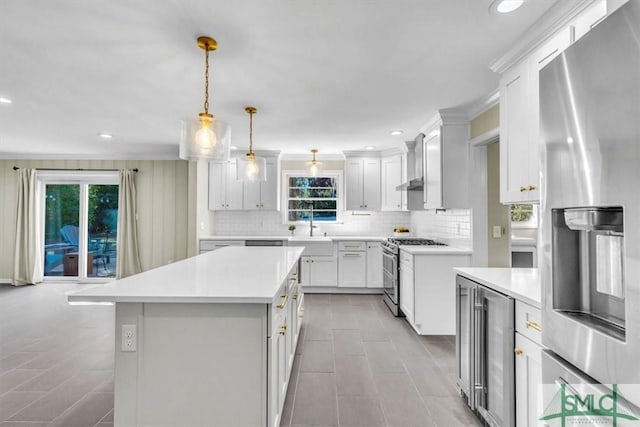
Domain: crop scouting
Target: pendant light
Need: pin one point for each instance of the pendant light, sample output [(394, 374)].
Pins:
[(251, 168), (205, 137), (314, 164)]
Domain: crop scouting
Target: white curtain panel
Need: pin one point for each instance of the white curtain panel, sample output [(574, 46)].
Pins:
[(28, 257), (128, 259)]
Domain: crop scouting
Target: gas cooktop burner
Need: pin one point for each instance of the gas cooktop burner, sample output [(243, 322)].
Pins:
[(416, 241)]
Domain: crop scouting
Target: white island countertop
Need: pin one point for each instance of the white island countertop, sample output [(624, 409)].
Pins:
[(229, 275), (520, 283)]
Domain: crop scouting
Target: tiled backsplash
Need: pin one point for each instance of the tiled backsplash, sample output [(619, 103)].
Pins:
[(259, 223), (452, 226)]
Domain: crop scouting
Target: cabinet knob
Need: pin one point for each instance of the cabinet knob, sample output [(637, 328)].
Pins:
[(518, 351), (365, 206), (532, 187), (283, 329), (523, 189), (257, 206), (397, 206)]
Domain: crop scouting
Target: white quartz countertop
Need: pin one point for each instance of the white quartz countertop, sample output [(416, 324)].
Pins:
[(245, 237), (235, 274), (520, 283), (434, 250)]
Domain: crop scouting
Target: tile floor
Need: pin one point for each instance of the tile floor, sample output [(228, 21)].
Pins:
[(355, 365)]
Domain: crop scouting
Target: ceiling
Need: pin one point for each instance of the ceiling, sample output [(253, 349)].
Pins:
[(334, 74)]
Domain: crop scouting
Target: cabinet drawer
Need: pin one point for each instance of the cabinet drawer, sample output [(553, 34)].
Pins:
[(528, 322), (211, 245), (352, 246)]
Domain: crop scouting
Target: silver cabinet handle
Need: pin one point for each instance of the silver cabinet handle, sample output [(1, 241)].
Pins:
[(352, 255)]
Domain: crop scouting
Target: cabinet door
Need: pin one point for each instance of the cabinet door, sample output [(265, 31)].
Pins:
[(528, 378), (323, 271), (407, 292), (251, 196), (515, 118), (432, 153), (352, 269), (305, 270), (374, 265), (277, 380), (391, 178), (354, 185), (371, 185), (217, 186), (234, 187), (269, 189)]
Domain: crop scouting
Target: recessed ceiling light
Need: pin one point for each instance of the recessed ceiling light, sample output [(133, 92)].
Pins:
[(233, 147), (396, 132), (4, 100), (505, 6), (105, 135), (370, 147)]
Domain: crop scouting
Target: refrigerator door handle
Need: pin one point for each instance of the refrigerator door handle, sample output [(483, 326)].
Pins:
[(479, 382)]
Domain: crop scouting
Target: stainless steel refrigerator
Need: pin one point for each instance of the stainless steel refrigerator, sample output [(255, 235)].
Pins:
[(590, 228)]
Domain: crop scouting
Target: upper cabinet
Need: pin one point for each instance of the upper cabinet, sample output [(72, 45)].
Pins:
[(263, 195), (362, 183), (225, 191), (519, 108), (519, 123), (445, 157), (393, 173)]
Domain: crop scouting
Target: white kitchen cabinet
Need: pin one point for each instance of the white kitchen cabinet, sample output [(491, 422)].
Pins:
[(407, 287), (207, 245), (426, 292), (392, 176), (445, 157), (352, 264), (519, 123), (263, 195), (363, 184), (528, 369), (374, 265), (225, 191), (320, 270)]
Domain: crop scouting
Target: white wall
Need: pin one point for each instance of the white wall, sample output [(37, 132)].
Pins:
[(163, 199)]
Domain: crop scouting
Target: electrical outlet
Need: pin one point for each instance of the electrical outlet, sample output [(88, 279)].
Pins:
[(129, 338)]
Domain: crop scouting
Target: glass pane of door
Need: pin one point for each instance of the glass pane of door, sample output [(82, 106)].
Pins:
[(102, 226), (61, 229)]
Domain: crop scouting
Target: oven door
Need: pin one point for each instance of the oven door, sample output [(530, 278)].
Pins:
[(390, 275)]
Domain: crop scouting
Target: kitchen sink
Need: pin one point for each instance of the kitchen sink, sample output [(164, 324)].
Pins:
[(313, 245), (310, 239)]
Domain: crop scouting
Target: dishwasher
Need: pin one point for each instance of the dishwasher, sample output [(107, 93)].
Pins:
[(258, 242)]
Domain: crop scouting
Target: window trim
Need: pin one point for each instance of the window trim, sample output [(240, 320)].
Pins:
[(286, 174)]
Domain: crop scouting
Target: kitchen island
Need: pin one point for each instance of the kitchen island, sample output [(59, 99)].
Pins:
[(209, 340)]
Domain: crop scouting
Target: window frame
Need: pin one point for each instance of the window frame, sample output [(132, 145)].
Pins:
[(336, 174), (531, 223)]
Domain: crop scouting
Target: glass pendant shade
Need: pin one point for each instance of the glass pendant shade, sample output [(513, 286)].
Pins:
[(313, 168), (205, 138), (252, 169)]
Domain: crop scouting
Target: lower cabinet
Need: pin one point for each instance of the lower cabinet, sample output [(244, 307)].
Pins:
[(320, 270), (528, 378), (374, 265), (352, 264), (426, 296)]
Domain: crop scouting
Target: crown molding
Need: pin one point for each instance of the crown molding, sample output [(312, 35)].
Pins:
[(362, 153), (307, 156), (558, 16)]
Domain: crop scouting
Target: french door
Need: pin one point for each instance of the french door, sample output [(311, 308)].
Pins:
[(80, 218)]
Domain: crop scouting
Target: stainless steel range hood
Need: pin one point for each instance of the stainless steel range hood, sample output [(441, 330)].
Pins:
[(416, 184), (414, 166)]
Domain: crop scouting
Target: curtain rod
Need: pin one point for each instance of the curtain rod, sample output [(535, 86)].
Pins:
[(15, 168)]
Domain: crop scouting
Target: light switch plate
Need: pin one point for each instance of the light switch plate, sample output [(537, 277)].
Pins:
[(497, 231)]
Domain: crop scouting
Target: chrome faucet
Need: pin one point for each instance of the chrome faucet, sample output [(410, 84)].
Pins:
[(311, 226)]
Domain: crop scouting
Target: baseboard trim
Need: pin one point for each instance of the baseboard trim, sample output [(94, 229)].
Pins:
[(6, 281)]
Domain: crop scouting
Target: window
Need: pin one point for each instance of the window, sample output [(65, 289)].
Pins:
[(524, 216), (306, 194)]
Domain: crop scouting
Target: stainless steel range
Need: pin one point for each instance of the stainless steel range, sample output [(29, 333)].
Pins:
[(391, 268)]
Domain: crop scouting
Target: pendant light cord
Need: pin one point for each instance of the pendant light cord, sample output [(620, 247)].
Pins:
[(206, 81)]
